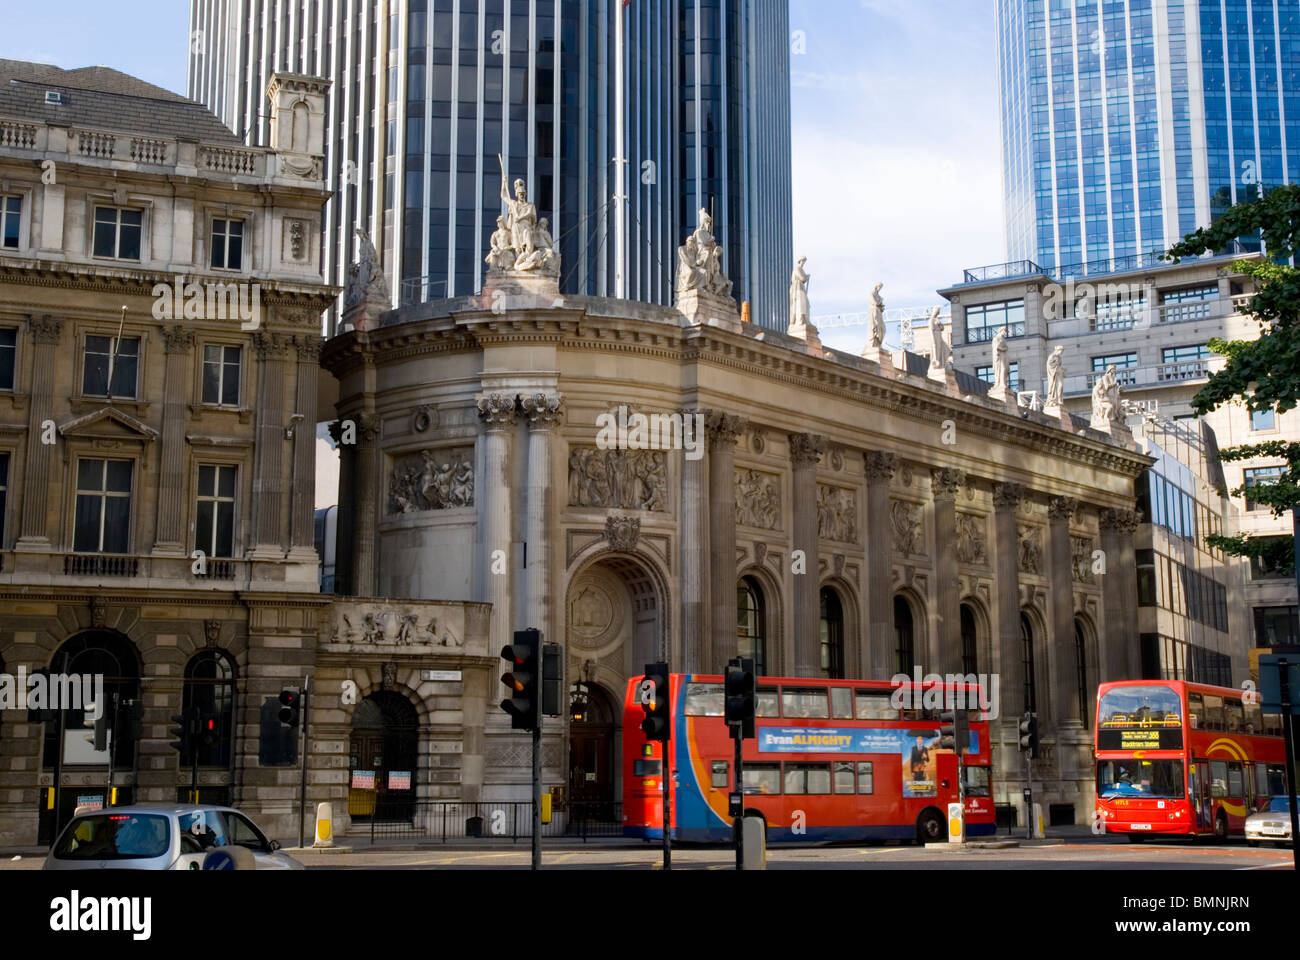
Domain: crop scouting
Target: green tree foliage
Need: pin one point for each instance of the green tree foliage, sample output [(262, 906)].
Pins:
[(1262, 374)]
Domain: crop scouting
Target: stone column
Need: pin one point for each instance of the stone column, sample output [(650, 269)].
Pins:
[(169, 539), (367, 467), (544, 413), (345, 534), (724, 429), (497, 411), (32, 532), (268, 479), (1060, 572), (695, 554), (945, 654), (879, 656), (1006, 559), (302, 527), (806, 450), (1119, 654)]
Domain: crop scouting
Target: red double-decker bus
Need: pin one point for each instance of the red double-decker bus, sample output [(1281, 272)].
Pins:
[(832, 760), (1184, 758)]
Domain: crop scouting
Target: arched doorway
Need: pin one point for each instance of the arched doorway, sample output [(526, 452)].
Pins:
[(592, 757), (1081, 668), (969, 641), (384, 754), (1030, 690), (831, 629), (904, 636)]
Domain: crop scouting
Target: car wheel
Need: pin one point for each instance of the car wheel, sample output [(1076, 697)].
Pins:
[(1253, 843), (930, 827), (1221, 827)]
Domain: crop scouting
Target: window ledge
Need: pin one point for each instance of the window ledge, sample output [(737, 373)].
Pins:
[(197, 411)]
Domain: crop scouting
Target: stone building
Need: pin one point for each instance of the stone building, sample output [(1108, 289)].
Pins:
[(834, 516)]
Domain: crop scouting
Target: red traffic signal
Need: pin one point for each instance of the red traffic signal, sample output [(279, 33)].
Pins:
[(521, 680), (290, 707), (657, 724)]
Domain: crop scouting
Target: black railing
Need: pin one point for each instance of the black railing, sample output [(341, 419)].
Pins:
[(100, 565), (511, 820)]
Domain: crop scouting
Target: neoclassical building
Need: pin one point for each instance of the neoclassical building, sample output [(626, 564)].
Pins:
[(839, 516)]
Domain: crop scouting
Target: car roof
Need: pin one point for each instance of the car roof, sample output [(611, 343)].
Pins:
[(158, 808)]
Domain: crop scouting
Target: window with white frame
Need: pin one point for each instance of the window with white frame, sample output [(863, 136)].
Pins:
[(221, 371), (214, 524), (103, 510), (227, 244), (109, 366), (117, 233)]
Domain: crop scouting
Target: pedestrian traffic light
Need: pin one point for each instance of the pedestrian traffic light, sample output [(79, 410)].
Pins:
[(657, 724), (521, 680), (1029, 733), (290, 707), (740, 689), (954, 730), (100, 723), (209, 731), (130, 721), (183, 732)]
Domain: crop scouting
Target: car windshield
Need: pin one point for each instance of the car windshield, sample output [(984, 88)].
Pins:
[(1140, 778), (114, 836), (1279, 805)]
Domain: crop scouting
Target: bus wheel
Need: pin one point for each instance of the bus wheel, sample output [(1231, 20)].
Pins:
[(930, 827), (1221, 827)]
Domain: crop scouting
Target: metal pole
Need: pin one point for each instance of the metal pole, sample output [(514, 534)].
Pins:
[(668, 818), (112, 745), (537, 794), (738, 824), (1288, 730), (192, 721), (58, 765), (1029, 795), (302, 787)]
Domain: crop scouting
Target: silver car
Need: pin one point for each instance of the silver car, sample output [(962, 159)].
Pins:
[(1270, 825), (160, 837)]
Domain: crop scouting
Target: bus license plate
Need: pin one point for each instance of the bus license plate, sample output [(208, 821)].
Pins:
[(1141, 826)]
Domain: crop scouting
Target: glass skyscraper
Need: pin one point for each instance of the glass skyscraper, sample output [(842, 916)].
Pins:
[(1129, 123), (424, 100)]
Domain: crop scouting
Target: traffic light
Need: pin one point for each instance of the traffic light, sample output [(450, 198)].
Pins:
[(741, 689), (209, 731), (130, 721), (657, 724), (521, 680), (954, 730), (1029, 733), (290, 706), (100, 724), (184, 732)]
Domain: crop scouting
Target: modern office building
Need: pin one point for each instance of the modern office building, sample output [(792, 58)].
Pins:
[(427, 93), (1126, 125)]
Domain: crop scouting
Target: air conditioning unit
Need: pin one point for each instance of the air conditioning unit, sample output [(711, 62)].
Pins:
[(54, 98)]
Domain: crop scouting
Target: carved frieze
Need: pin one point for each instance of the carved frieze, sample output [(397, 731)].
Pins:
[(622, 532), (621, 479), (432, 480), (1081, 549), (1031, 550), (837, 514), (907, 528), (972, 539), (394, 624), (758, 500)]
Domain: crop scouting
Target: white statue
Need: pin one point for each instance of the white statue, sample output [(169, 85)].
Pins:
[(941, 353), (699, 262), (521, 244), (1106, 405), (876, 326), (800, 312), (1001, 365), (501, 255), (365, 280), (1055, 377)]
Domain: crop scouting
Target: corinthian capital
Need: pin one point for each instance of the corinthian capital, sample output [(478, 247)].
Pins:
[(1125, 521), (1007, 496), (542, 410), (724, 428), (806, 448), (497, 411), (308, 346), (45, 328), (1061, 508), (945, 481), (177, 339), (880, 465)]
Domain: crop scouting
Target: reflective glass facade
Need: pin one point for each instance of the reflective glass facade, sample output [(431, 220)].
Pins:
[(422, 104), (1128, 123)]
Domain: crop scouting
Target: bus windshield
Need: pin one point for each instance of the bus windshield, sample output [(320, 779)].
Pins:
[(1161, 779)]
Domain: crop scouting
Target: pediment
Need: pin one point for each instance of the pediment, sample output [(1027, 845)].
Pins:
[(107, 423)]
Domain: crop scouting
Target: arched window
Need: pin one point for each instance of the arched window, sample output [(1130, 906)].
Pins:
[(210, 691), (1081, 665), (969, 641), (1027, 661), (832, 634), (751, 623), (94, 653), (903, 638)]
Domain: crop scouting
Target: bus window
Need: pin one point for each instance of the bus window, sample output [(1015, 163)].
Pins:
[(1276, 779), (1218, 778), (763, 778), (874, 705), (979, 781), (1254, 719), (645, 768), (704, 699), (807, 778), (843, 777), (1195, 709), (720, 775), (1213, 712), (866, 777), (1233, 717), (1261, 780), (767, 704), (1272, 724), (804, 704), (1236, 782), (841, 703)]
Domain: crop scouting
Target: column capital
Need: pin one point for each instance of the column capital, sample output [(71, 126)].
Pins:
[(1007, 496), (1061, 508), (880, 465), (45, 328), (177, 339), (270, 346), (806, 448), (1125, 521), (543, 411), (368, 426), (945, 481), (308, 346), (497, 411), (724, 427)]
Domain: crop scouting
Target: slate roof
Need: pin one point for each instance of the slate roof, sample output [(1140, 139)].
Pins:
[(104, 99)]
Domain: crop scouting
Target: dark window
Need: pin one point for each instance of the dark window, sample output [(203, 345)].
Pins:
[(8, 356), (1013, 375), (210, 691), (108, 836), (751, 635), (903, 639), (103, 514), (1260, 477), (969, 641), (228, 244), (241, 832), (117, 233), (832, 634), (11, 218), (214, 525), (984, 320), (105, 354), (1081, 669), (4, 494), (221, 370), (1027, 662), (1277, 626)]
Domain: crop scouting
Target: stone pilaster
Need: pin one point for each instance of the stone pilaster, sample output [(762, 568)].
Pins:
[(723, 429), (170, 537), (695, 651), (806, 450), (1060, 571), (32, 533), (879, 655), (1119, 655), (345, 535), (498, 413), (1006, 559), (302, 529), (544, 413), (268, 472), (945, 653), (365, 518)]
